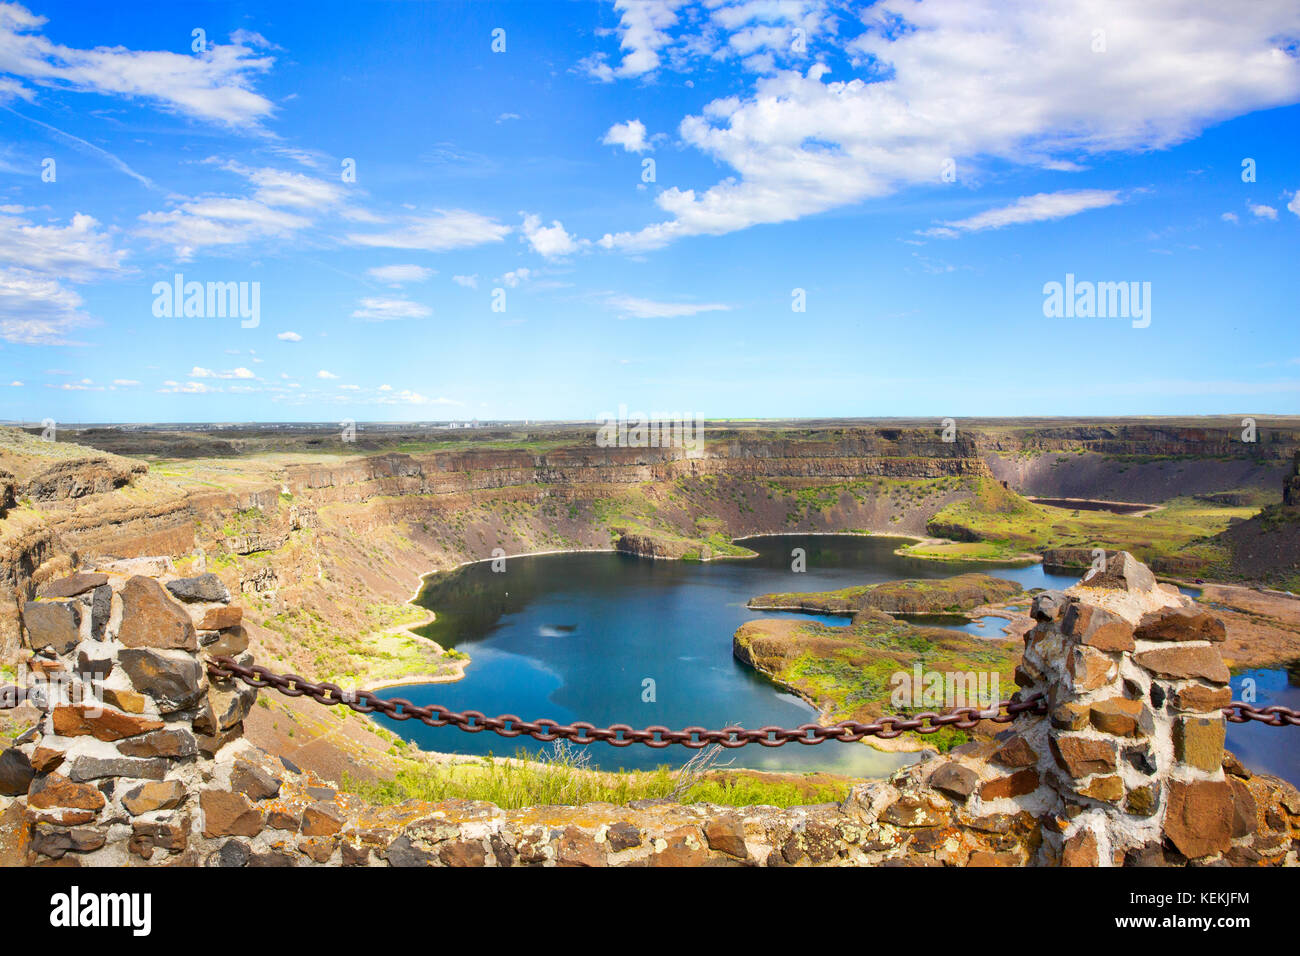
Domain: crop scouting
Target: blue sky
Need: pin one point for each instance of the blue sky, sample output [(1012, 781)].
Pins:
[(919, 169)]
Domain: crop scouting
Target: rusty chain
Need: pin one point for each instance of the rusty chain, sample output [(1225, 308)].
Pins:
[(623, 735), (617, 735)]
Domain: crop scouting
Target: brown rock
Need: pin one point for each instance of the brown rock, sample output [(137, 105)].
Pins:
[(219, 618), (52, 625), (1198, 742), (1197, 698), (54, 790), (1016, 752), (322, 818), (107, 724), (253, 782), (1184, 662), (226, 706), (1143, 801), (1080, 849), (1122, 571), (45, 759), (1123, 718), (152, 619), (1013, 785), (358, 855), (278, 819), (174, 680), (16, 772), (1198, 819), (726, 834), (911, 810), (229, 643), (160, 743), (1245, 811), (127, 700), (986, 858), (1081, 756), (1180, 624), (462, 853), (73, 585), (155, 795), (955, 780), (319, 850), (56, 841), (1069, 716), (577, 847), (1109, 788), (623, 836), (1090, 668), (685, 848), (228, 814), (1096, 627), (146, 837)]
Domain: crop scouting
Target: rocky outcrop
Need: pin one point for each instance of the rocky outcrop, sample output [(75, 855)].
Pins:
[(140, 761)]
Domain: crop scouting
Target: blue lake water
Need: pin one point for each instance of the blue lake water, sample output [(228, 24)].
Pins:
[(1274, 750), (574, 636)]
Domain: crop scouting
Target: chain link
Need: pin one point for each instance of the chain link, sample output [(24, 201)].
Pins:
[(657, 737), (617, 735)]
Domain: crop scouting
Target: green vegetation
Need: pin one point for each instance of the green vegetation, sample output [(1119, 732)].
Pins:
[(916, 596), (564, 777)]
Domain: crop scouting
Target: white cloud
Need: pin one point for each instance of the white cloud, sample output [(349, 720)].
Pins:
[(36, 262), (215, 85), (1294, 204), (1260, 211), (976, 81), (1039, 207), (439, 232), (396, 275), (643, 26), (125, 382), (377, 309), (15, 384), (631, 306), (1230, 217), (469, 282), (629, 135), (289, 337), (515, 277), (200, 372), (326, 375), (551, 241)]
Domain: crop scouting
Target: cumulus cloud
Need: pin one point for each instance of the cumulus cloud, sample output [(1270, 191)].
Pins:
[(515, 277), (469, 282), (200, 372), (215, 85), (37, 264), (643, 30), (326, 375), (629, 135), (289, 337), (973, 80), (1260, 211), (551, 241)]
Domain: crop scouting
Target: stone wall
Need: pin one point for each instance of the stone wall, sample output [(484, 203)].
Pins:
[(139, 759)]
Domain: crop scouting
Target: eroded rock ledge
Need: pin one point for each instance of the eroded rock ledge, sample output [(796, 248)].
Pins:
[(1126, 768)]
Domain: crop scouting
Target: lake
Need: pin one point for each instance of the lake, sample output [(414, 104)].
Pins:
[(575, 636)]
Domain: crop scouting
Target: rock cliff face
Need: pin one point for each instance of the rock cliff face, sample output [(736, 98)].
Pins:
[(138, 759)]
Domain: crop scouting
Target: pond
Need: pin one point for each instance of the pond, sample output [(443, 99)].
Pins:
[(577, 636)]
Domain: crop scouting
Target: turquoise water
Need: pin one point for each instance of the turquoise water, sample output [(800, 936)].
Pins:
[(575, 636)]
